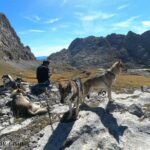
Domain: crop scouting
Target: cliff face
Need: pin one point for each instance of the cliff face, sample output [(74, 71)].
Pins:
[(133, 49), (11, 47)]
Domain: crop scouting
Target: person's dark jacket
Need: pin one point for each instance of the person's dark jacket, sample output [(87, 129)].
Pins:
[(42, 74)]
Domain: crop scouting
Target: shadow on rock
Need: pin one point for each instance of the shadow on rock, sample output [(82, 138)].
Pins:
[(58, 139), (107, 120), (39, 88)]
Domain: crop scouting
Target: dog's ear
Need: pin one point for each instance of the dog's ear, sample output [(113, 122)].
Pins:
[(120, 64), (21, 91)]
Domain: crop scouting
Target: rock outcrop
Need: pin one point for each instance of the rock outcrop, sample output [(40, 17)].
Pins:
[(11, 47), (133, 49), (121, 125), (114, 126)]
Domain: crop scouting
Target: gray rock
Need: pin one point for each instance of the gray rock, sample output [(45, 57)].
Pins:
[(5, 123), (116, 107), (98, 127), (11, 120), (11, 47), (144, 129), (136, 110), (93, 51), (5, 111)]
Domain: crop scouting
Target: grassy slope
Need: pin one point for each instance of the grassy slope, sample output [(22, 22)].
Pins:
[(123, 80), (8, 69)]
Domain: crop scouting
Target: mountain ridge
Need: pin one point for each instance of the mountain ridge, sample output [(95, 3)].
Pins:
[(11, 47), (133, 49)]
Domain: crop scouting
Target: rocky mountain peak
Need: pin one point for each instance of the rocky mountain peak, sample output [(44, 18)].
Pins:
[(146, 34), (11, 47), (133, 49)]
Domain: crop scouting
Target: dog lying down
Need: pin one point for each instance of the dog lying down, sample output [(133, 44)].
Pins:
[(10, 83), (21, 105)]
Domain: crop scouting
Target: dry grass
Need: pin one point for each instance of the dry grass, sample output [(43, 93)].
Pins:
[(131, 81), (8, 69), (123, 80)]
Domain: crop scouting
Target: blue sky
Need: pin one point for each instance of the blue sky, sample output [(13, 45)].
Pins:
[(48, 26)]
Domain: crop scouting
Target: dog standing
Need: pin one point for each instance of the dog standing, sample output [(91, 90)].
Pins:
[(105, 80), (71, 93)]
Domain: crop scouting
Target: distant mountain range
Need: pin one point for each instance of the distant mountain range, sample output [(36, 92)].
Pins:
[(11, 47), (41, 57), (133, 49)]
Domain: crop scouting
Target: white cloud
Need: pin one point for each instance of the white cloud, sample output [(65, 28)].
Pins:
[(37, 19), (30, 30), (90, 23), (87, 29), (51, 21), (94, 16), (123, 6), (64, 2), (59, 27), (33, 18), (80, 6), (79, 14), (139, 29), (36, 30), (146, 23), (54, 29), (47, 50), (22, 32), (64, 25), (126, 23)]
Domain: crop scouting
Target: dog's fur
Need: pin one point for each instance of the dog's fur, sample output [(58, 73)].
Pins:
[(8, 81), (22, 106), (105, 80), (71, 93)]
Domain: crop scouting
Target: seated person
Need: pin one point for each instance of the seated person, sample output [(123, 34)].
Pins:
[(43, 72)]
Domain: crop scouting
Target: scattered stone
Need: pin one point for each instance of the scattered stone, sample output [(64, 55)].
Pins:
[(101, 126), (136, 110)]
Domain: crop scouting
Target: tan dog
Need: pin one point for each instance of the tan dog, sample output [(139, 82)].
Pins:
[(23, 106), (105, 80), (71, 93)]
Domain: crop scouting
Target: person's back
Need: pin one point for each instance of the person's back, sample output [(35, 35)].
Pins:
[(42, 72)]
